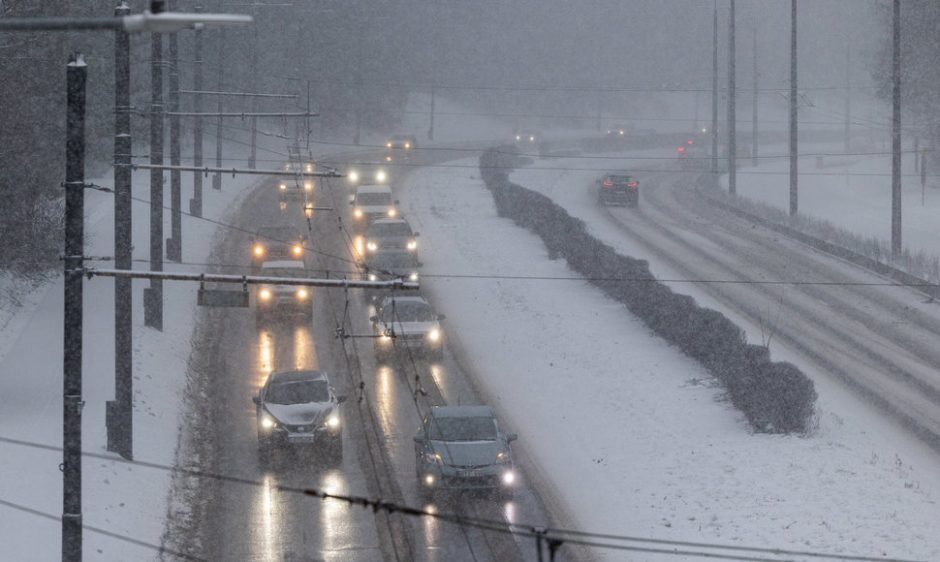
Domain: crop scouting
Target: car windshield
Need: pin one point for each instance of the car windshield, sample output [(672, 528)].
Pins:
[(278, 234), (389, 230), (285, 272), (374, 199), (300, 392), (392, 261), (403, 311), (476, 428)]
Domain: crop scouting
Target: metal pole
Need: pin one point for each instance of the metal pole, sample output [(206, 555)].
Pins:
[(252, 158), (153, 297), (848, 99), (358, 90), (174, 244), (119, 413), (794, 125), (76, 74), (217, 178), (195, 204), (896, 133), (732, 122), (715, 89), (431, 128), (754, 99)]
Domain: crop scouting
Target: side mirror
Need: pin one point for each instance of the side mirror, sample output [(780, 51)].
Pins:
[(341, 398), (511, 437), (374, 319), (441, 317), (256, 400)]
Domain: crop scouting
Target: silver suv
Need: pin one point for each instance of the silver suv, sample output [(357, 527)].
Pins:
[(298, 408)]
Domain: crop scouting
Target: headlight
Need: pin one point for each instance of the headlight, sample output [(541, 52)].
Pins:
[(531, 139), (353, 176), (380, 176), (388, 145), (308, 185), (267, 422), (434, 335), (264, 294), (357, 213), (332, 421), (407, 145), (259, 250), (372, 246), (502, 456), (429, 479), (302, 294), (509, 477), (412, 244), (388, 158), (372, 277), (392, 212), (309, 168), (432, 457), (518, 137), (298, 249), (282, 187), (413, 277)]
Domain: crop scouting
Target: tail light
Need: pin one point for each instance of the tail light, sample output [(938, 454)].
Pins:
[(690, 142), (608, 183), (681, 149), (633, 184)]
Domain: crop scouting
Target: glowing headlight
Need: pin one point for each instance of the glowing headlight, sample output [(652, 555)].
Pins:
[(501, 456), (434, 335), (309, 168), (267, 422), (432, 457), (388, 158), (380, 176), (264, 294), (407, 145), (357, 213), (413, 277), (332, 421), (372, 246), (388, 145), (429, 479), (298, 249), (509, 477), (621, 133), (412, 244), (308, 185), (531, 139), (302, 294), (518, 137), (259, 250), (392, 212), (282, 187), (372, 277), (353, 176)]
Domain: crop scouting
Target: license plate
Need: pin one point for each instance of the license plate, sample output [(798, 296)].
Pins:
[(469, 473)]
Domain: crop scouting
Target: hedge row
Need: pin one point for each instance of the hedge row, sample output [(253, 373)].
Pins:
[(775, 397)]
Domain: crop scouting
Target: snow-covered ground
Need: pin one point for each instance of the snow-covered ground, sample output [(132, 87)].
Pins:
[(632, 435)]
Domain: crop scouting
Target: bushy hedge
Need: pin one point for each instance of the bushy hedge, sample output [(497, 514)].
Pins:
[(775, 397)]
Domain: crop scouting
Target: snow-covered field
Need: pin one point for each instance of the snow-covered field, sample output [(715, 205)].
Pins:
[(632, 435)]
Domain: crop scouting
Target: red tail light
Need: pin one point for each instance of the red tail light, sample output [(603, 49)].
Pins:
[(681, 149), (608, 183), (633, 184), (690, 142)]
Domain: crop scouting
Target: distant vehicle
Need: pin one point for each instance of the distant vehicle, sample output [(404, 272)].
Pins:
[(299, 408), (618, 189), (463, 447), (390, 265), (366, 174), (294, 189), (390, 234), (371, 202), (277, 242), (619, 130), (402, 142), (692, 155), (526, 136), (407, 324), (278, 299)]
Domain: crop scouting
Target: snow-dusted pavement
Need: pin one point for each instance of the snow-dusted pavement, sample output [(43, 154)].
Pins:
[(633, 436)]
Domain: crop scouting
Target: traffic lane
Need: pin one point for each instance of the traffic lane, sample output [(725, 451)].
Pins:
[(259, 522)]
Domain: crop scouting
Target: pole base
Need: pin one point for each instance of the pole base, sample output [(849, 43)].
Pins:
[(118, 422), (195, 207), (217, 181), (174, 250), (153, 308)]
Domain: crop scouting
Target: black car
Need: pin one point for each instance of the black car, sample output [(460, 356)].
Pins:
[(277, 242), (403, 142), (298, 408), (618, 189)]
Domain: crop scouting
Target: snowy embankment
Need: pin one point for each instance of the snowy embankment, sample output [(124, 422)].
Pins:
[(128, 500), (633, 436)]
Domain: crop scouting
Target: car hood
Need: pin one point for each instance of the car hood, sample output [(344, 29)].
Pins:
[(468, 453), (300, 414), (373, 209), (414, 328)]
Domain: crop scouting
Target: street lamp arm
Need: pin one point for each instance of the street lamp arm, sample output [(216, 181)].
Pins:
[(168, 22)]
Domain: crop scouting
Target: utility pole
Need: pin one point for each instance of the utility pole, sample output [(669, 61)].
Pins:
[(195, 204), (754, 99), (896, 132), (174, 244), (848, 99), (253, 156), (732, 122), (431, 128), (220, 63), (794, 126), (119, 414), (76, 74), (153, 296), (358, 90), (715, 89)]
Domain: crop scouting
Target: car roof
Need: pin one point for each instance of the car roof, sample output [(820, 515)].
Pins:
[(462, 411), (374, 189), (387, 301), (283, 264), (403, 137), (389, 221), (297, 376)]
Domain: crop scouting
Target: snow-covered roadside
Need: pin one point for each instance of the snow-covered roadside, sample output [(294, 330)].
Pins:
[(631, 433), (128, 500)]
